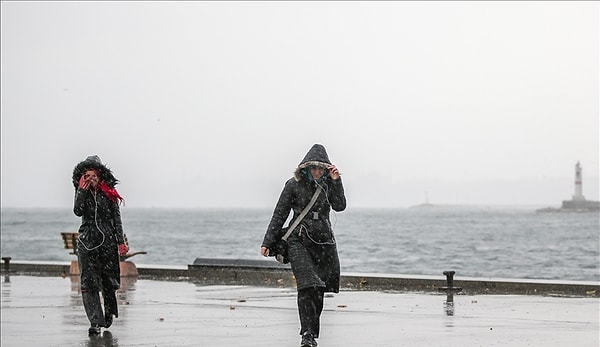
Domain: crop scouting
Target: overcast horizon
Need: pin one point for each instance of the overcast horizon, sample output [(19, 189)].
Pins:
[(214, 104)]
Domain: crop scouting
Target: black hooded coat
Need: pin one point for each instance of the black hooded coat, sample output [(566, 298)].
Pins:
[(100, 232), (312, 248)]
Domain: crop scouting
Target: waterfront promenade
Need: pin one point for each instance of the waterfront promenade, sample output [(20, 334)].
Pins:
[(47, 311)]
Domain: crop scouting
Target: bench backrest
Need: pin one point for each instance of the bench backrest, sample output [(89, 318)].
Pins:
[(70, 241)]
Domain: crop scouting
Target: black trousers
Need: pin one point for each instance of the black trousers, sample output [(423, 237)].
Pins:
[(93, 306), (310, 306)]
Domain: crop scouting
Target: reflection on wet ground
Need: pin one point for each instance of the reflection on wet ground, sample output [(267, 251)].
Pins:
[(106, 339)]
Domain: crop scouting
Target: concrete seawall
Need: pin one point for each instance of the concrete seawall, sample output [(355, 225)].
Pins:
[(272, 274)]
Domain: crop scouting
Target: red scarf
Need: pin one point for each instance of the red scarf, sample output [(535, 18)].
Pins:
[(111, 193)]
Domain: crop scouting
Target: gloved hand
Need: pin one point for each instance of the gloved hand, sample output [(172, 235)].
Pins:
[(83, 183), (123, 249)]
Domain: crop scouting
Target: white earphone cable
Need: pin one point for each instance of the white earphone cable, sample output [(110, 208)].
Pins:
[(97, 226)]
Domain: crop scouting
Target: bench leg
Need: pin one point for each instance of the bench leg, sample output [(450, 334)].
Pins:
[(128, 269), (74, 268)]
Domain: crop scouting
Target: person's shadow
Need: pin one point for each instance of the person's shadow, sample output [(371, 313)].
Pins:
[(106, 339)]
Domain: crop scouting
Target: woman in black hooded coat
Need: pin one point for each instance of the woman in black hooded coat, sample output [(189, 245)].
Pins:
[(312, 248), (101, 240)]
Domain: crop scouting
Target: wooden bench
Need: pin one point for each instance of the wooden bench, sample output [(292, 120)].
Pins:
[(70, 241), (127, 267)]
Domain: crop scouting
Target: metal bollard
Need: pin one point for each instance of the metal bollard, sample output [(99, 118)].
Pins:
[(6, 263), (450, 289), (450, 283), (449, 278)]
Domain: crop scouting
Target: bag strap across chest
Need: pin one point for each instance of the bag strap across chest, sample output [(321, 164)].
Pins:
[(302, 214)]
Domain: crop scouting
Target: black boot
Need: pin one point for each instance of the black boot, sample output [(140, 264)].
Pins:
[(93, 309), (110, 306), (94, 330), (308, 340), (310, 306)]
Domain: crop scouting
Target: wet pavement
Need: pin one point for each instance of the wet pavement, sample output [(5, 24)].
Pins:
[(48, 311)]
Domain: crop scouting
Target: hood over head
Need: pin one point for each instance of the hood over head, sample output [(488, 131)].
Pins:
[(316, 156), (94, 162)]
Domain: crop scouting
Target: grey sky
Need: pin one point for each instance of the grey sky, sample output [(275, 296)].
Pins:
[(213, 104)]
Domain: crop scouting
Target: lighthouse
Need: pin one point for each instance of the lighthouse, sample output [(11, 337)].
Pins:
[(578, 189), (578, 203)]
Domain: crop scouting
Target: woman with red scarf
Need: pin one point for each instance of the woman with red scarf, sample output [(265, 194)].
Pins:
[(101, 240)]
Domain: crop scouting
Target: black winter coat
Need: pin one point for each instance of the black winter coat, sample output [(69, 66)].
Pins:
[(312, 248), (100, 233)]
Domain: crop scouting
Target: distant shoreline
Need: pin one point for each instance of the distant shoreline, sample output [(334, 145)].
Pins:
[(349, 208)]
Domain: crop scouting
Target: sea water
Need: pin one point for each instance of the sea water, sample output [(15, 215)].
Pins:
[(485, 242)]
